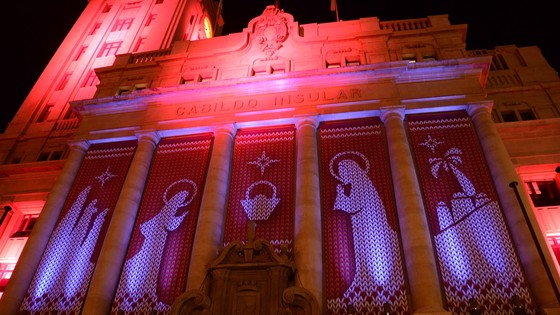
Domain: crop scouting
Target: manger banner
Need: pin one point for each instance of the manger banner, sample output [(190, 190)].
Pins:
[(157, 261), (476, 257), (363, 262), (64, 273)]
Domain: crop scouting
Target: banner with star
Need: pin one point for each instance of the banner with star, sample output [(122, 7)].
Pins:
[(476, 256), (63, 275), (156, 265), (262, 186), (363, 268)]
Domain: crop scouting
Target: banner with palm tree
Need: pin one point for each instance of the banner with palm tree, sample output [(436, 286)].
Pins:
[(476, 256)]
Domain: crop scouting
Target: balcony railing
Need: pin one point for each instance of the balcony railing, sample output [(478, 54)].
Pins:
[(148, 56), (67, 124), (405, 25)]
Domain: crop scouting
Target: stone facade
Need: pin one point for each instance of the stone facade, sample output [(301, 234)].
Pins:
[(277, 73)]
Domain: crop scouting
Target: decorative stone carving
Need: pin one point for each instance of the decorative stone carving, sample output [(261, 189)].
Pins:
[(271, 30), (248, 278)]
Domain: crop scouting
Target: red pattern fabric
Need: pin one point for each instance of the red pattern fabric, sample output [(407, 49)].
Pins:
[(62, 278), (362, 141), (476, 256), (263, 163), (178, 164)]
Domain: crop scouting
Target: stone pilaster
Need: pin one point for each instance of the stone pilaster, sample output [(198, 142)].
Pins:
[(307, 243), (421, 265), (37, 242), (113, 252), (211, 219), (535, 261)]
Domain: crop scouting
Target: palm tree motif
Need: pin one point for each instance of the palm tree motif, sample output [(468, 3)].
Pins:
[(451, 160)]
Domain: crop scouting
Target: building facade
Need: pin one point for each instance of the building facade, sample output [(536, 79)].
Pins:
[(353, 167)]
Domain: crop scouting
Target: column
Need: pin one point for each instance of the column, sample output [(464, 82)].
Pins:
[(421, 266), (308, 246), (113, 252), (543, 283), (37, 242), (211, 219)]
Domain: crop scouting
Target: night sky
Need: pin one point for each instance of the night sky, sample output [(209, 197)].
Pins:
[(41, 26)]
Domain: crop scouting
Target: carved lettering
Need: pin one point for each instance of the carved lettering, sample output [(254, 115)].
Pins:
[(341, 95), (252, 103), (237, 104), (277, 100), (206, 108)]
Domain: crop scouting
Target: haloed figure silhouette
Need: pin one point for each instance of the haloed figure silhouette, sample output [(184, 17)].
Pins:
[(375, 242)]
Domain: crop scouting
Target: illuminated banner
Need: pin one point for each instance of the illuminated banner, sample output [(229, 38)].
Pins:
[(477, 260), (363, 263), (62, 278), (155, 270), (262, 186)]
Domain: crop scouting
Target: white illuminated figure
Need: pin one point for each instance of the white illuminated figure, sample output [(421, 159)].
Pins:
[(66, 266), (375, 242), (138, 284), (471, 227)]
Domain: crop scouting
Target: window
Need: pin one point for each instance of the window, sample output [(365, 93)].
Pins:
[(526, 114), (517, 115), (26, 225), (6, 270), (352, 61), (333, 64), (139, 44), (498, 63), (429, 56), (56, 155), (123, 90), (409, 57), (151, 19), (96, 27), (197, 77), (159, 1), (107, 8), (43, 156), (63, 82), (90, 80), (69, 113), (122, 25), (544, 193), (554, 242), (139, 87), (50, 156), (80, 53), (508, 116), (109, 49), (44, 116)]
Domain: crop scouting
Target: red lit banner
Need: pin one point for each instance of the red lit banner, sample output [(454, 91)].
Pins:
[(262, 186), (155, 270), (478, 263), (62, 278), (363, 263)]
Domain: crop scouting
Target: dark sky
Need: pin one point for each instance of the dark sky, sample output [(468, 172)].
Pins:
[(40, 27)]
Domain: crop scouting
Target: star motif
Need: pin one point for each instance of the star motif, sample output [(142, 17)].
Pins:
[(431, 143), (263, 162), (105, 176)]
